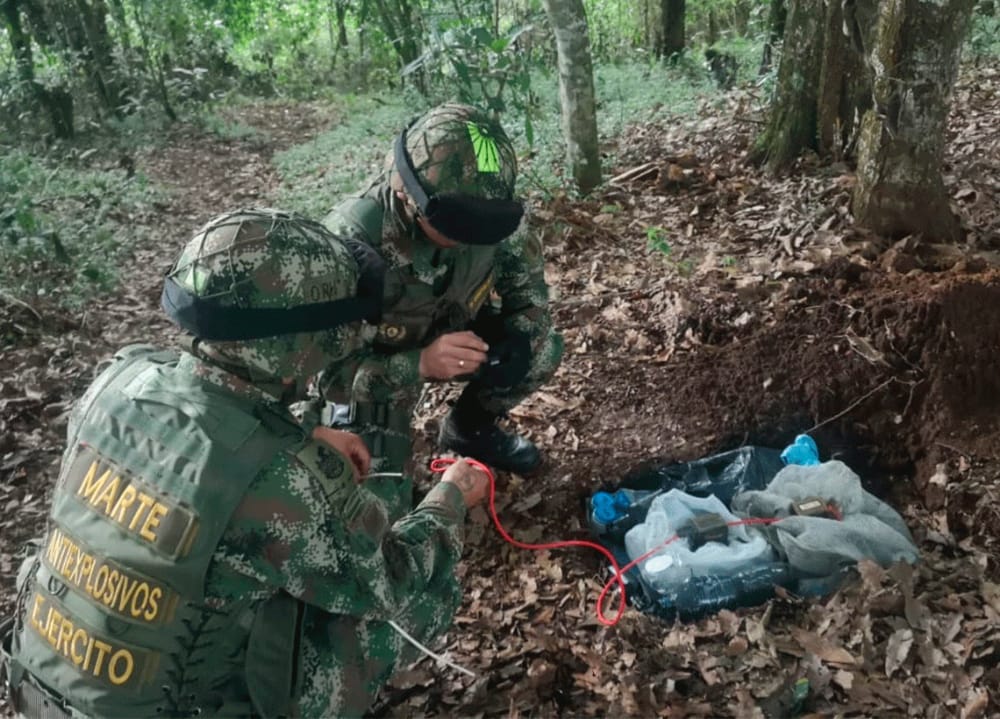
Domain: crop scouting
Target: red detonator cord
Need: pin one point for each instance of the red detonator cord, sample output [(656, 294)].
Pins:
[(442, 463)]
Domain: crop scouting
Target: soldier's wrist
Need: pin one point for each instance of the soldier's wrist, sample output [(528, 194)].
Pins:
[(446, 495)]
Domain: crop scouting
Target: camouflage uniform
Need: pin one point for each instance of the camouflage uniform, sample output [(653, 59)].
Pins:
[(516, 300), (283, 575), (352, 559)]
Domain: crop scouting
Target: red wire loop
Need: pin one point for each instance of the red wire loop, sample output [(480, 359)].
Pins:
[(442, 463)]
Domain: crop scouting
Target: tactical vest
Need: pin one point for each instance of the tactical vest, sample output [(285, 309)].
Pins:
[(412, 313), (112, 616)]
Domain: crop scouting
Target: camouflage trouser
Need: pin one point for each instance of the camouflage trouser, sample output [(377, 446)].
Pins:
[(382, 412), (345, 661)]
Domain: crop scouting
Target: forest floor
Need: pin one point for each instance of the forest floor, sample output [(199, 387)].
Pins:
[(705, 306)]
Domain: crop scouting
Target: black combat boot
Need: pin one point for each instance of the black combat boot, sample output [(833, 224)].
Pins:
[(472, 432)]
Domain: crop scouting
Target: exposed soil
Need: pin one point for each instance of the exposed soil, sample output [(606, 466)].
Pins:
[(763, 313)]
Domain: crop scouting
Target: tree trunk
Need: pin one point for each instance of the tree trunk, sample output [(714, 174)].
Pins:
[(915, 59), (776, 16), (741, 17), (155, 64), (672, 20), (57, 102), (791, 124), (576, 91), (97, 52), (647, 25), (845, 80), (118, 13), (402, 28), (342, 23), (338, 38)]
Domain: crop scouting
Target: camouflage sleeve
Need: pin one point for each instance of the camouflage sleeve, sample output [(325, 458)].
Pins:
[(520, 282), (382, 372), (305, 526)]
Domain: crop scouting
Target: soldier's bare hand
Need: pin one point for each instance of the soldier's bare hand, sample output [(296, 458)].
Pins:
[(473, 483), (348, 444), (452, 355)]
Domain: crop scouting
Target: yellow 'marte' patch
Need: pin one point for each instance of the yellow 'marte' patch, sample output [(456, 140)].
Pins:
[(116, 495)]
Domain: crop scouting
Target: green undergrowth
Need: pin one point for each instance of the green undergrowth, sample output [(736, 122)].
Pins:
[(227, 128), (65, 224), (316, 174), (337, 161), (984, 36)]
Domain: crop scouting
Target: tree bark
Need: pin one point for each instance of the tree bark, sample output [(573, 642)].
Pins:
[(791, 124), (96, 49), (845, 80), (341, 10), (777, 13), (915, 59), (401, 26), (672, 20), (741, 17), (576, 90), (155, 64), (56, 101)]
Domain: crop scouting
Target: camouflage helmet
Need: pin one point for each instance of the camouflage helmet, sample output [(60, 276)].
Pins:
[(268, 292), (457, 166), (459, 149)]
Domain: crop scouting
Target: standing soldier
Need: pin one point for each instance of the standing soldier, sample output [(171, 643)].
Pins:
[(205, 555), (465, 296)]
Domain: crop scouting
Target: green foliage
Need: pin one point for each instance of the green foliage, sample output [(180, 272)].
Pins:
[(617, 28), (984, 37), (318, 173), (481, 61), (747, 52), (63, 227), (725, 19), (656, 241), (221, 126), (173, 58)]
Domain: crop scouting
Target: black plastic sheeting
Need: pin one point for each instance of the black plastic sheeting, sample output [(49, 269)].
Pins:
[(724, 475)]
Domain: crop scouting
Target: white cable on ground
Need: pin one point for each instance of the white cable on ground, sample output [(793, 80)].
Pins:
[(436, 657)]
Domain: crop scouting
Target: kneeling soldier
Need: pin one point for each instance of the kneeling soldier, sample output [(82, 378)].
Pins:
[(205, 555)]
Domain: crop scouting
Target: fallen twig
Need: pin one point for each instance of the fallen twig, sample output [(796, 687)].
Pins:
[(852, 405), (634, 174), (21, 303), (953, 448)]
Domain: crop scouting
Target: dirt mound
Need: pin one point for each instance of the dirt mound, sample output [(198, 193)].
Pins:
[(892, 365)]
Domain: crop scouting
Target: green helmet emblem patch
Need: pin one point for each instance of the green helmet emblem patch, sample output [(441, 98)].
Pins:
[(485, 147)]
